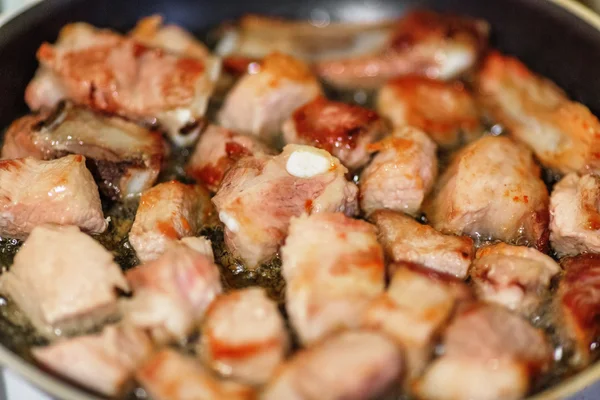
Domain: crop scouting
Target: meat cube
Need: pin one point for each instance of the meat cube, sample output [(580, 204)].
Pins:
[(169, 375), (244, 336), (172, 293), (516, 277), (490, 353), (167, 212), (34, 192), (217, 151), (446, 111), (260, 195), (333, 266), (352, 365), (117, 74), (575, 215), (200, 244), (124, 158), (63, 280), (563, 134), (342, 129), (103, 362), (578, 305), (439, 46), (416, 324), (401, 174), (260, 102), (404, 239), (492, 190)]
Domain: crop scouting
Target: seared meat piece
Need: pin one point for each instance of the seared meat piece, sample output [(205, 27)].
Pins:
[(413, 310), (578, 305), (169, 375), (34, 192), (124, 158), (422, 42), (490, 353), (333, 267), (492, 190), (351, 366), (446, 111), (575, 215), (167, 212), (217, 150), (401, 174), (172, 293), (260, 194), (103, 362), (516, 277), (342, 129), (244, 336), (563, 134), (113, 73), (63, 280), (260, 102), (404, 239)]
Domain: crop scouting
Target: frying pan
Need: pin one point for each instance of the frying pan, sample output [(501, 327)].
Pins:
[(559, 39)]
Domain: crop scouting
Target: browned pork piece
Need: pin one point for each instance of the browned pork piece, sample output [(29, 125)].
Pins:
[(439, 46), (575, 215), (103, 362), (218, 150), (168, 212), (353, 365), (401, 174), (489, 354), (63, 280), (563, 134), (414, 309), (124, 158), (34, 192), (342, 129), (404, 239), (333, 267), (172, 293), (169, 375), (446, 111), (492, 190), (113, 73), (261, 101), (244, 336), (516, 277), (578, 305), (260, 194)]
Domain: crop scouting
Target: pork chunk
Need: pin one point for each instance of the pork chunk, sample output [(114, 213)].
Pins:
[(492, 190), (169, 375), (516, 277), (244, 336), (342, 129), (333, 267), (124, 158), (217, 151), (401, 174), (259, 103), (113, 73), (104, 362), (61, 192), (321, 372), (575, 215), (563, 134), (260, 195), (404, 239), (63, 280), (446, 111), (167, 212)]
